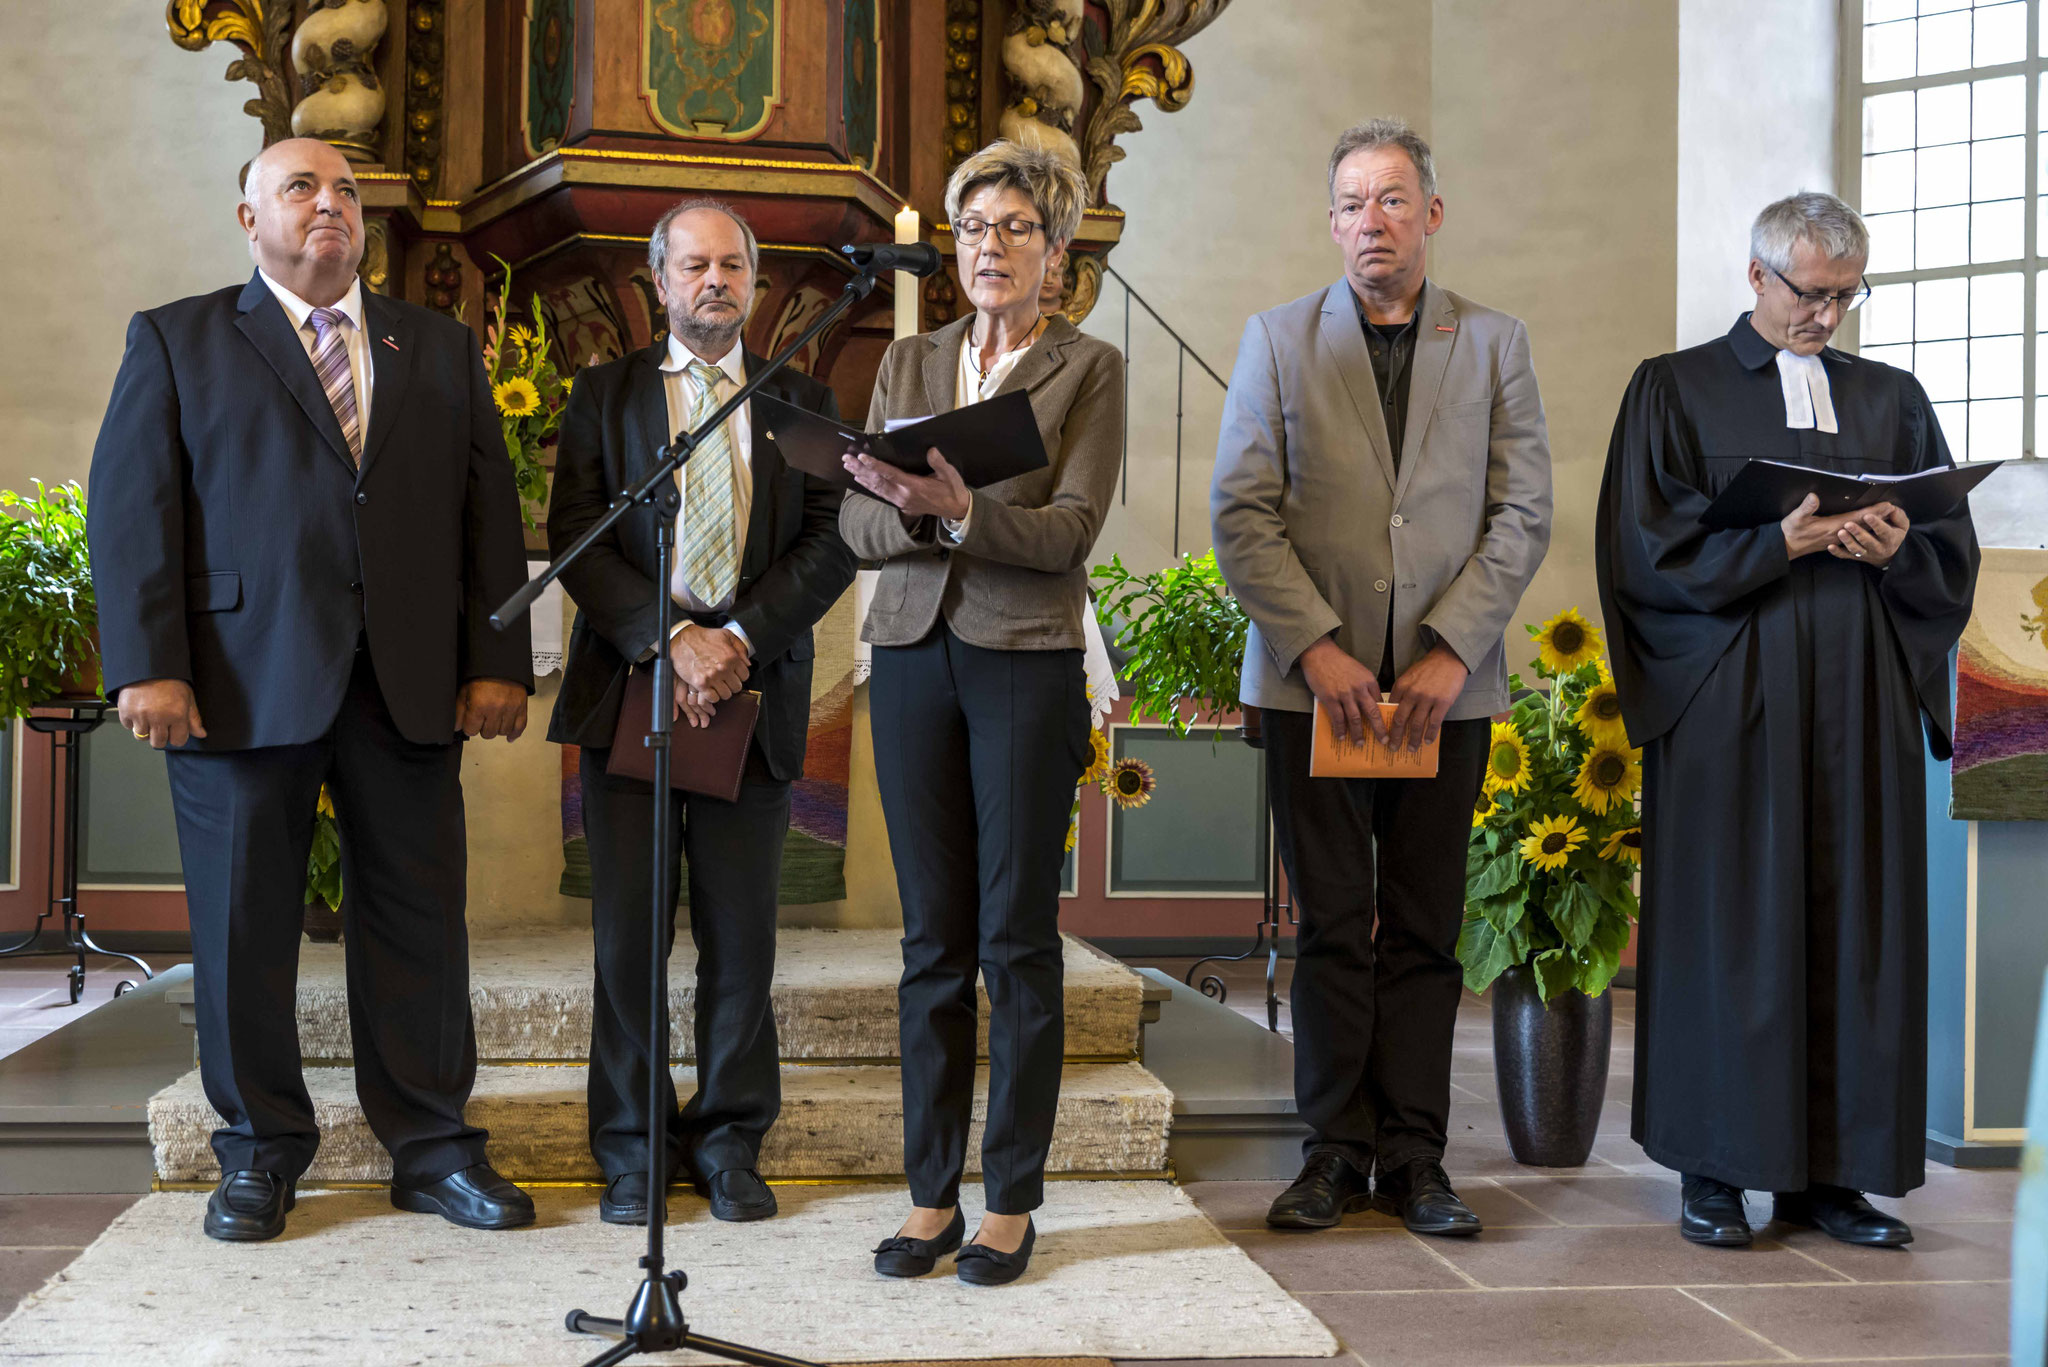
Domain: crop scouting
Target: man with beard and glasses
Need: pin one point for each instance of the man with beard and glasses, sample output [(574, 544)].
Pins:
[(759, 560)]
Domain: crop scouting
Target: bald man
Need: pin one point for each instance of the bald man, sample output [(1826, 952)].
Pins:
[(302, 514)]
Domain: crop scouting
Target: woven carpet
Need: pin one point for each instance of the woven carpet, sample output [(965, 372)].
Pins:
[(1123, 1270)]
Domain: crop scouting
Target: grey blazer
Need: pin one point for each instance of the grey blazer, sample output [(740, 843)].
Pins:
[(1314, 530), (1018, 579)]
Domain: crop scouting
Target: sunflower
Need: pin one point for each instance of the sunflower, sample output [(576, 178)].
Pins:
[(521, 336), (1507, 760), (1483, 808), (517, 397), (1098, 759), (1609, 777), (1599, 716), (1625, 846), (326, 802), (1129, 783), (1566, 642), (1551, 841)]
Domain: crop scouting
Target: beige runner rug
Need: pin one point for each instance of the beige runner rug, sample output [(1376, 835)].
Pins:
[(1123, 1270)]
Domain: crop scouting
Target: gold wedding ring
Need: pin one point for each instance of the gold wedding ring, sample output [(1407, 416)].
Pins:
[(141, 733)]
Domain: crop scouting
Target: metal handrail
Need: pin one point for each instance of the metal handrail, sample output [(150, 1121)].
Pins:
[(1179, 399)]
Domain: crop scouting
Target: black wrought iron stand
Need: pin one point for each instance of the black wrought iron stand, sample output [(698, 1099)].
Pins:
[(1272, 906), (67, 740)]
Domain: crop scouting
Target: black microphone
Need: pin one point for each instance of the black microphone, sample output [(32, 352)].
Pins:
[(918, 258)]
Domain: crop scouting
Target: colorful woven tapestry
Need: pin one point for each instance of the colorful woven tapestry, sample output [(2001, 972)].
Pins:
[(2001, 764), (814, 851)]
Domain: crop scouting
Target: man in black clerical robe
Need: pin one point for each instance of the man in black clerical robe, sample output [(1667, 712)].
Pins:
[(1779, 679)]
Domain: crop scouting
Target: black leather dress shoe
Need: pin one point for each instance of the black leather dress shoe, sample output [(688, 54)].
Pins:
[(980, 1265), (1420, 1193), (903, 1256), (737, 1194), (248, 1206), (625, 1200), (475, 1198), (1842, 1214), (1711, 1213), (1326, 1190)]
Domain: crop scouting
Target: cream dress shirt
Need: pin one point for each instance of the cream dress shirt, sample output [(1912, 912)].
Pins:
[(682, 389), (355, 336)]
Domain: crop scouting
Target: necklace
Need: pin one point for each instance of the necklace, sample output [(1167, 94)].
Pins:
[(974, 350)]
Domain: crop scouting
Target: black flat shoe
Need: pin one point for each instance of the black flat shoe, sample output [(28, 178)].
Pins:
[(1420, 1193), (979, 1265), (625, 1200), (1711, 1213), (1842, 1214), (248, 1206), (475, 1198), (904, 1256), (1326, 1190), (737, 1194)]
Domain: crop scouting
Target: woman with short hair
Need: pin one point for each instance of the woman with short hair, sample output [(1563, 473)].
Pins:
[(979, 710)]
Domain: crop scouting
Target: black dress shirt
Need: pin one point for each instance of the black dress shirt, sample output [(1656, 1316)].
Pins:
[(1392, 346)]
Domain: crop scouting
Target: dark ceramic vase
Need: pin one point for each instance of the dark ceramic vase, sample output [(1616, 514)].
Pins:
[(1551, 1067)]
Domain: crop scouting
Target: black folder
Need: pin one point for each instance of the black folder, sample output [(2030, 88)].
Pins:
[(1766, 491), (986, 442)]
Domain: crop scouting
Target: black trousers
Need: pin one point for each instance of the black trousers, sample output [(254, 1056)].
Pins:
[(1376, 976), (245, 826), (977, 753), (735, 860)]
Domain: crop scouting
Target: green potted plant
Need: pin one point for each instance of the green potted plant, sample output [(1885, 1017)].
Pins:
[(1550, 898), (1183, 632), (49, 626)]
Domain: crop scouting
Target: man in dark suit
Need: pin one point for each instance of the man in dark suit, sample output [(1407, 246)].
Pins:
[(758, 561), (301, 517)]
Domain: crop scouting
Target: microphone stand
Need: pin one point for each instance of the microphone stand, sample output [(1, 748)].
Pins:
[(654, 1323)]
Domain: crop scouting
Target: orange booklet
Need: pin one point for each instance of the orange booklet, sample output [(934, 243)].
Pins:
[(1330, 758)]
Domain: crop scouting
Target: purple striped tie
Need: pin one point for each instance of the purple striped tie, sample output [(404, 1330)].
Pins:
[(330, 363)]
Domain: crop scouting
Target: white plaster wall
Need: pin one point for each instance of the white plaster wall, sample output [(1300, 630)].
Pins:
[(1758, 82), (120, 163)]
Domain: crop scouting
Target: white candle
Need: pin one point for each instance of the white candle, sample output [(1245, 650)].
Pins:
[(906, 283)]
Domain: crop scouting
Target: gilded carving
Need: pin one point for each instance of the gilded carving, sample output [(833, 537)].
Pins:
[(426, 56), (1136, 59), (712, 68), (963, 80), (1084, 287), (443, 279), (334, 53), (1045, 84), (376, 265), (258, 29)]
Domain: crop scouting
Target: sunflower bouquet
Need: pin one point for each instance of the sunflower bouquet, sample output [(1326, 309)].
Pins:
[(529, 392), (1556, 839)]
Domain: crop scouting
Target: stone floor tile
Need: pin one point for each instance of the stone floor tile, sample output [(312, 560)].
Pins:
[(1619, 1256), (1970, 1251), (23, 1270), (1855, 1320), (1609, 1199), (1383, 1259), (58, 1221)]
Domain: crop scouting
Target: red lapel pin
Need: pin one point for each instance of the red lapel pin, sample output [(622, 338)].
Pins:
[(1439, 327), (393, 345)]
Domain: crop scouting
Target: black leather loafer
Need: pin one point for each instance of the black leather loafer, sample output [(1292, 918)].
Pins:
[(1327, 1189), (625, 1200), (1420, 1193), (475, 1198), (1842, 1214), (1711, 1213), (980, 1265), (738, 1194), (248, 1206), (904, 1256)]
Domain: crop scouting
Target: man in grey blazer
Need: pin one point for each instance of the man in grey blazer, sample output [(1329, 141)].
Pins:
[(1381, 500)]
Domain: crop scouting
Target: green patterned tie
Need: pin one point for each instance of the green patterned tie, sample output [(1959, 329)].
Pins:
[(710, 544)]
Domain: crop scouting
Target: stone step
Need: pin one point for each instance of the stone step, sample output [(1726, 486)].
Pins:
[(837, 1122), (835, 998)]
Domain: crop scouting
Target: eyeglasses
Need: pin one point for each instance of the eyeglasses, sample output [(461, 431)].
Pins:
[(1013, 232), (1816, 300)]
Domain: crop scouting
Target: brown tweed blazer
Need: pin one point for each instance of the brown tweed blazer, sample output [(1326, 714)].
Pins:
[(1018, 580)]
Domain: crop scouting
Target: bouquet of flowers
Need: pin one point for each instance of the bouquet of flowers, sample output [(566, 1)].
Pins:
[(1556, 838), (529, 392)]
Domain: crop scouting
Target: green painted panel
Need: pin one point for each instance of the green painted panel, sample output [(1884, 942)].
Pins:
[(712, 68), (861, 99), (550, 71), (1204, 830)]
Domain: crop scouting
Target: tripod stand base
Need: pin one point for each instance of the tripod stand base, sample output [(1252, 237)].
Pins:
[(655, 1325)]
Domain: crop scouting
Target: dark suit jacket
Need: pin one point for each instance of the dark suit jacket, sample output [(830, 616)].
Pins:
[(793, 569), (236, 546)]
